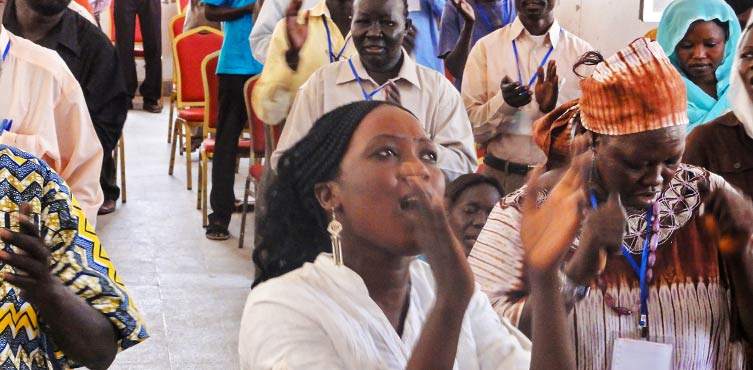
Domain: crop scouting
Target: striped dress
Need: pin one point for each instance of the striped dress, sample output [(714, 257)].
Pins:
[(690, 297)]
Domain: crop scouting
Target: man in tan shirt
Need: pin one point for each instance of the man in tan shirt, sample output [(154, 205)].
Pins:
[(506, 87), (383, 70)]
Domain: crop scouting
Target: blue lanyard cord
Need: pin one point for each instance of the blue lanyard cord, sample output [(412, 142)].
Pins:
[(332, 57), (366, 96), (642, 269), (535, 73), (7, 49)]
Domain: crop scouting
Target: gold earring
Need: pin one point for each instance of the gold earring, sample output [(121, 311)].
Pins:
[(334, 228)]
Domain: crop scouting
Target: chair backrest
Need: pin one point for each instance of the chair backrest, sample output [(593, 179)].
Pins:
[(264, 137), (211, 91), (137, 38), (176, 25), (189, 50), (182, 4)]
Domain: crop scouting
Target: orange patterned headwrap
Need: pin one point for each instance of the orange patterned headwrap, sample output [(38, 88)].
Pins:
[(552, 131), (635, 90)]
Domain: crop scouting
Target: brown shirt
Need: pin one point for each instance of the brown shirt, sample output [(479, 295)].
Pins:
[(723, 147)]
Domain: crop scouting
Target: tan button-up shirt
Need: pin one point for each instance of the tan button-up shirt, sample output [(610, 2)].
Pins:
[(424, 92), (50, 118), (507, 130)]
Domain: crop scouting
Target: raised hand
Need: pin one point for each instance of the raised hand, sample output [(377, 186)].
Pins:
[(465, 10), (548, 231), (438, 243), (32, 263), (297, 33), (547, 87), (391, 92), (409, 40), (514, 93)]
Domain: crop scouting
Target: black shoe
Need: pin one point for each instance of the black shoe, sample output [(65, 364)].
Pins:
[(107, 207), (152, 107)]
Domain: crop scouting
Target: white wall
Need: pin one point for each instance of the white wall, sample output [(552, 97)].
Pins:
[(608, 25)]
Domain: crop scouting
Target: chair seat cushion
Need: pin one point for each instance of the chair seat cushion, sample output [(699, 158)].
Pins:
[(192, 114), (244, 146), (256, 171)]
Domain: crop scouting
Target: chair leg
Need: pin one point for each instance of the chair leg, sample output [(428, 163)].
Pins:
[(173, 98), (205, 192), (121, 148), (176, 128), (199, 176), (244, 212), (187, 131)]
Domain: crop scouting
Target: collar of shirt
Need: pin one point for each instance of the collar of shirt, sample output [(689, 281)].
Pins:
[(408, 71), (318, 10), (554, 32), (64, 33)]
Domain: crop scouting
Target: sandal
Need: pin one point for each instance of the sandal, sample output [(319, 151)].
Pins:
[(217, 232)]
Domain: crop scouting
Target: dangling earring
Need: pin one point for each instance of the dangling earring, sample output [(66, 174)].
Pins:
[(334, 228)]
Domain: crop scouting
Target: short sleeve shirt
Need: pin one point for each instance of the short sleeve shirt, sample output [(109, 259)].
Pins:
[(235, 57)]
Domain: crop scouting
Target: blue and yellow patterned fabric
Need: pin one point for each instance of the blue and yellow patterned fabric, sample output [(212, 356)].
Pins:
[(77, 258)]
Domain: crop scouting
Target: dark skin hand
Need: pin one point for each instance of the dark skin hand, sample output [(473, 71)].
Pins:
[(409, 40), (297, 33), (83, 333), (547, 87), (514, 93), (727, 215), (226, 13), (392, 93), (455, 60)]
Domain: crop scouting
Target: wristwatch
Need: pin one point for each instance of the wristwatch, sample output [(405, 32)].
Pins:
[(571, 291)]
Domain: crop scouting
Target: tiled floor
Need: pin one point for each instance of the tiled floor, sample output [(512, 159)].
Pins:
[(190, 290)]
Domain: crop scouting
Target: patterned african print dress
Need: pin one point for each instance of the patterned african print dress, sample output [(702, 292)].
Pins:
[(690, 302), (76, 258)]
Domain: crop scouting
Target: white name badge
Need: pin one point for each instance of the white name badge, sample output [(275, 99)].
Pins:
[(414, 5), (631, 354)]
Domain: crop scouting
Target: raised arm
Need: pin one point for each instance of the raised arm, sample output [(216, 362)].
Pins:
[(222, 13), (455, 59)]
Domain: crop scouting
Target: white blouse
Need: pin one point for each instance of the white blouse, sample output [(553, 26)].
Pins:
[(320, 316)]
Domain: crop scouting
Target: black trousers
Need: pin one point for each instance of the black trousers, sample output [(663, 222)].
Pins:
[(230, 123), (150, 14), (108, 176)]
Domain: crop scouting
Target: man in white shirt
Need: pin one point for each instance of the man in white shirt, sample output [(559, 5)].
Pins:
[(43, 111), (506, 87), (383, 70)]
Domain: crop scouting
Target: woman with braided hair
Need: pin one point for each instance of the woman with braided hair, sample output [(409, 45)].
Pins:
[(365, 185)]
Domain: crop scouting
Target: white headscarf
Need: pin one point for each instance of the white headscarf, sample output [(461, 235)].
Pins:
[(739, 99)]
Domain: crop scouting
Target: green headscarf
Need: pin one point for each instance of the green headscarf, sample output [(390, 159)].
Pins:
[(674, 24)]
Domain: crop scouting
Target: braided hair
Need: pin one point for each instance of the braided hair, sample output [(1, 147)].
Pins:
[(294, 229)]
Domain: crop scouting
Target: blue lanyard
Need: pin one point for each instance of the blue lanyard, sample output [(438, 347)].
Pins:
[(366, 96), (485, 17), (6, 124), (639, 270), (517, 62), (7, 49), (332, 57)]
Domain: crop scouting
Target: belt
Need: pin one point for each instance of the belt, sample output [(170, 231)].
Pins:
[(507, 166)]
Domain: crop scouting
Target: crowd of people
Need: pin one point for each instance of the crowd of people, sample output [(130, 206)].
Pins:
[(460, 184)]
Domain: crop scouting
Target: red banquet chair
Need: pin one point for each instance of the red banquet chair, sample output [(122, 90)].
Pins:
[(176, 28), (264, 140), (189, 50)]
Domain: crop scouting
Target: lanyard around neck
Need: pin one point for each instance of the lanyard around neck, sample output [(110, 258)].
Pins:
[(366, 96), (332, 57), (487, 20), (535, 73), (641, 270), (6, 50)]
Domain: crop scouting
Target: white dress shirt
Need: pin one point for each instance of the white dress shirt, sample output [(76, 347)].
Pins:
[(271, 13), (505, 129), (321, 317), (50, 118), (424, 92)]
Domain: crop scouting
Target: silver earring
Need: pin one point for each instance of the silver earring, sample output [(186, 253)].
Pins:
[(334, 228)]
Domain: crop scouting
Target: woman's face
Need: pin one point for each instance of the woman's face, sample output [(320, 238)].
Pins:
[(638, 166), (469, 213), (372, 194), (701, 51), (746, 62)]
